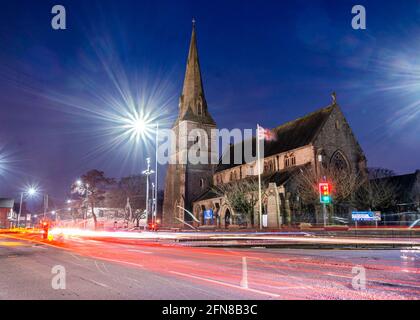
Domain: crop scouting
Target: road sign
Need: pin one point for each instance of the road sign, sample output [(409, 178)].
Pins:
[(366, 216), (208, 214)]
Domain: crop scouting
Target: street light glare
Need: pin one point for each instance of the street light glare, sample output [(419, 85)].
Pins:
[(32, 191), (139, 126)]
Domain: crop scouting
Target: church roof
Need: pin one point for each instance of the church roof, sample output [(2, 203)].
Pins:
[(289, 136), (278, 177), (193, 104), (6, 203)]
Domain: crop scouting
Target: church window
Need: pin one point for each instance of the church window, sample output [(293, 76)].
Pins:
[(201, 183), (337, 125), (200, 107), (339, 163), (289, 160)]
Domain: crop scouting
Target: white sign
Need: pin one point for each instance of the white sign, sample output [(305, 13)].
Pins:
[(366, 216), (265, 220)]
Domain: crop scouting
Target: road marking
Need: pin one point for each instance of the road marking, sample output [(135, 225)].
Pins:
[(12, 244), (244, 281), (119, 261), (226, 284), (40, 247), (96, 282), (140, 251), (97, 267), (391, 284)]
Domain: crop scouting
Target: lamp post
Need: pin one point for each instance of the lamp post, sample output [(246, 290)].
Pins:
[(147, 173), (138, 126), (84, 190), (156, 175), (30, 192)]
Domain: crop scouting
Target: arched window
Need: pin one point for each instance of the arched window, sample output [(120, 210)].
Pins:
[(339, 163), (202, 183), (289, 160), (337, 125), (200, 106)]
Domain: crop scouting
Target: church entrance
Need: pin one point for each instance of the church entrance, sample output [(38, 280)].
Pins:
[(227, 218)]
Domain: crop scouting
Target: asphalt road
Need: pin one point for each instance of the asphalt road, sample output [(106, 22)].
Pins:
[(105, 270)]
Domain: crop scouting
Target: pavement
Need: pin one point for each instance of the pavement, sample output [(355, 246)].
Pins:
[(101, 269)]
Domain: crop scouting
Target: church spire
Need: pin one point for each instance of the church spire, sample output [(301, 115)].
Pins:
[(193, 103)]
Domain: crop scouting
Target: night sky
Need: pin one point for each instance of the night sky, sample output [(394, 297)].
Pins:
[(264, 62)]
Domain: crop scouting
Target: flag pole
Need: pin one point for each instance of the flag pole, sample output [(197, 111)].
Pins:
[(259, 175)]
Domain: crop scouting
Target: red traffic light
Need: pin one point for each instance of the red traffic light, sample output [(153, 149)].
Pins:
[(325, 192)]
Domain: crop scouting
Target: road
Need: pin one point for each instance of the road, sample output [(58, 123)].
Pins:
[(106, 270)]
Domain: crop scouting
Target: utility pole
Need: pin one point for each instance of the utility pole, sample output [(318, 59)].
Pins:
[(156, 175), (45, 204), (259, 176), (20, 209), (153, 203), (147, 173)]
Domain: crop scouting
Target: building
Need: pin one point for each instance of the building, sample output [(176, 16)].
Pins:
[(6, 212), (185, 182), (318, 140), (406, 207)]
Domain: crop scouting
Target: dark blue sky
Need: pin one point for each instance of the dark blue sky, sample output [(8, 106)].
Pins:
[(262, 61)]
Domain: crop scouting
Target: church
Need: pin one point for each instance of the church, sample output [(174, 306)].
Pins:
[(319, 140)]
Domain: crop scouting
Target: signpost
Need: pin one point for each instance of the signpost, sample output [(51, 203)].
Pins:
[(366, 216), (208, 215)]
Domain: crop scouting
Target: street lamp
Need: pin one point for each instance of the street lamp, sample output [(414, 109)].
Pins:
[(139, 126), (31, 192), (83, 188), (147, 173)]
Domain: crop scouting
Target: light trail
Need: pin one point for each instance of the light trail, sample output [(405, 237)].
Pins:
[(326, 277), (293, 238)]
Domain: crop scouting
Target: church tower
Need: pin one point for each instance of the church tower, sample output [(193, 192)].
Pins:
[(185, 179)]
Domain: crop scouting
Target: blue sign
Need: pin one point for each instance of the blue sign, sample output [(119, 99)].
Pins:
[(365, 216), (208, 214)]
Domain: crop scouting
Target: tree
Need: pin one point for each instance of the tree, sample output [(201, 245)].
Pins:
[(376, 194), (241, 197), (344, 186), (378, 173), (93, 187), (132, 188)]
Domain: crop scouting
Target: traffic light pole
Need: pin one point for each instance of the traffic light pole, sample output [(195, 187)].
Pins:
[(324, 209)]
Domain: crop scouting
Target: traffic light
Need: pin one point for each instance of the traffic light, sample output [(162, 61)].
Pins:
[(325, 193), (45, 227)]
